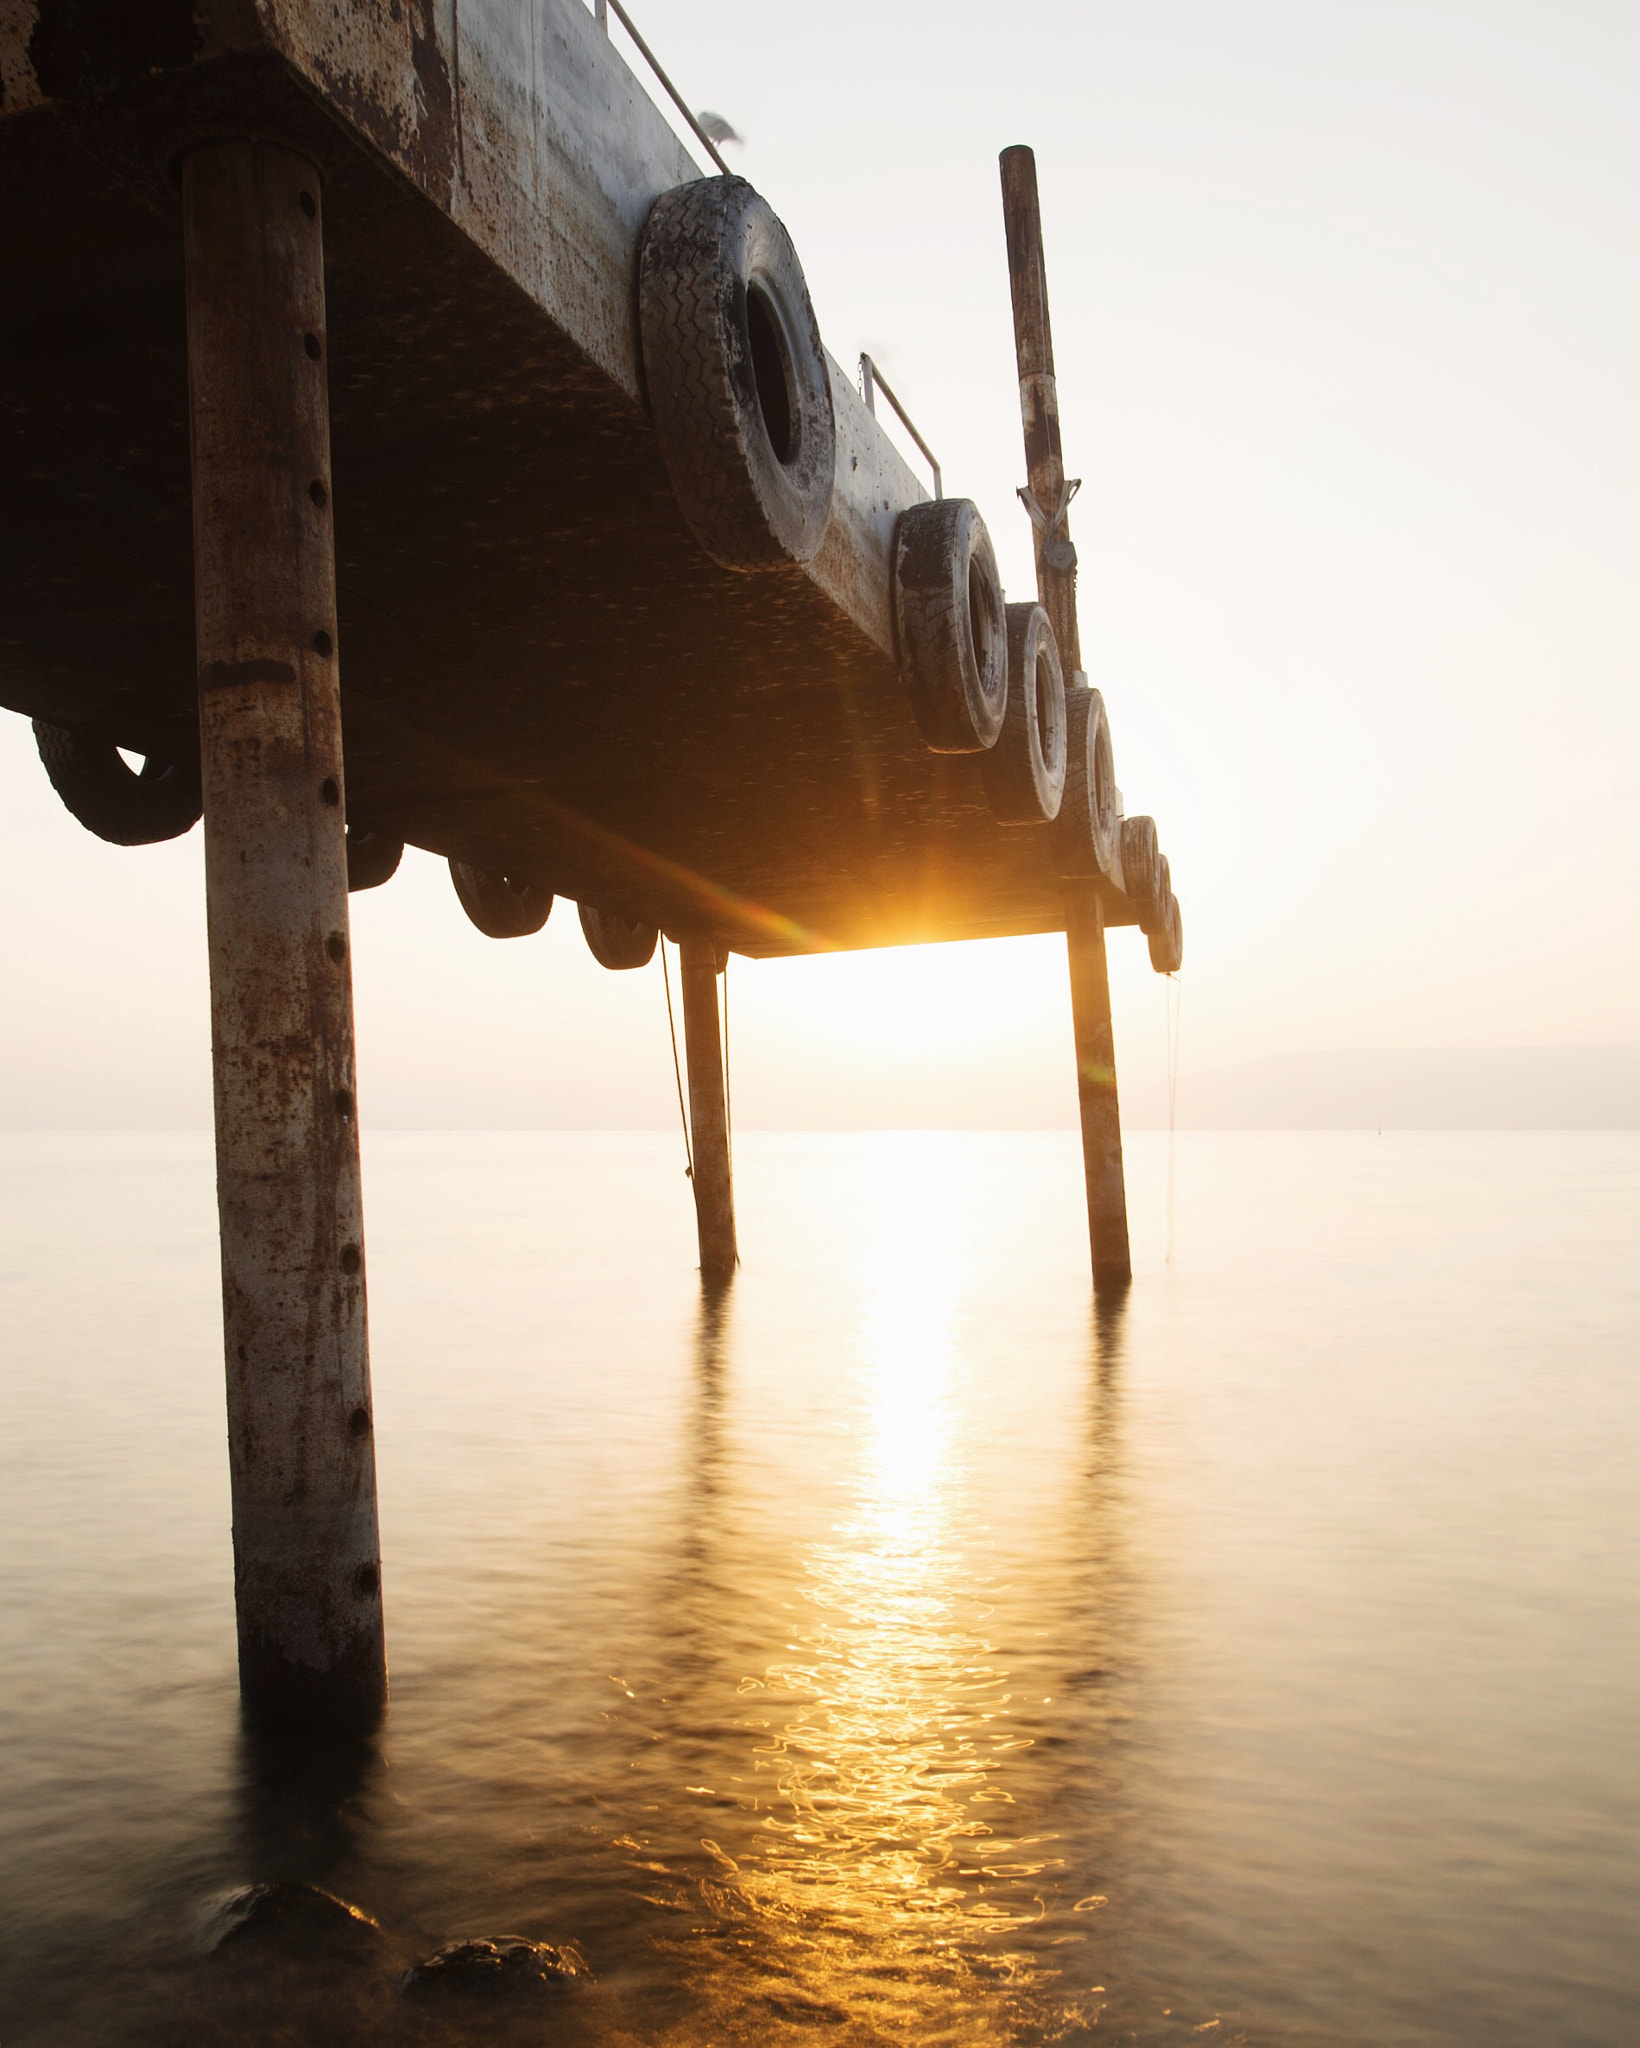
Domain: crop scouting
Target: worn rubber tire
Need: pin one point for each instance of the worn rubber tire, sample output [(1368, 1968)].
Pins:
[(1167, 941), (112, 799), (372, 858), (948, 613), (1153, 912), (501, 907), (1024, 773), (1142, 869), (1087, 833), (737, 378), (615, 941)]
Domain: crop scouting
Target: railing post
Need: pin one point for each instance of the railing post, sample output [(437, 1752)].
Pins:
[(307, 1562)]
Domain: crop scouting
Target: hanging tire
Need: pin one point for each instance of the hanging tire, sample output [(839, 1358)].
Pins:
[(372, 859), (1024, 773), (953, 639), (502, 906), (738, 384), (1087, 833), (1142, 870), (1167, 942), (618, 942), (1153, 911), (122, 804)]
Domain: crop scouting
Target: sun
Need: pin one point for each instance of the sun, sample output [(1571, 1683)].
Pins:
[(927, 1006)]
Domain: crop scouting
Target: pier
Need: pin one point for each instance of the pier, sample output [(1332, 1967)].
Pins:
[(408, 444)]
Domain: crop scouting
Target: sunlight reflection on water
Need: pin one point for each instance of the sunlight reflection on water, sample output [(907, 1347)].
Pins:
[(888, 1715), (879, 1875), (891, 1648)]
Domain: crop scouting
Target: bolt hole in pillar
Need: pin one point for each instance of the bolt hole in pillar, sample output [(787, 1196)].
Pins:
[(307, 1566), (708, 1108)]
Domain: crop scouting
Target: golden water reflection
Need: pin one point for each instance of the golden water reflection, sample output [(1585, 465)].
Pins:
[(885, 1875)]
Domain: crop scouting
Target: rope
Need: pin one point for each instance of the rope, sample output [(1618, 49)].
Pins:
[(728, 1087), (677, 1070), (728, 1081)]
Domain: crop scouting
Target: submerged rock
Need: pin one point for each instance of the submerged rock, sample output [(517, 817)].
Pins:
[(508, 1963), (297, 1912)]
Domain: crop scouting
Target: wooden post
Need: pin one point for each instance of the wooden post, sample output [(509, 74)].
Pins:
[(708, 1109), (1039, 399), (307, 1559), (1096, 1086), (1056, 586)]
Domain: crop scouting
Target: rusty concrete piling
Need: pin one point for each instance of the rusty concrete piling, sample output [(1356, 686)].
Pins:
[(708, 1108), (1049, 503), (307, 1562)]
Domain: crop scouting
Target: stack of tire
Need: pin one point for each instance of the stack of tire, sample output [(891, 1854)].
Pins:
[(742, 405), (741, 400), (985, 678), (1148, 883)]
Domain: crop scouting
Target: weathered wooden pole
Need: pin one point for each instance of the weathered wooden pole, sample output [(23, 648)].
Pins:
[(1056, 586), (1039, 401), (1096, 1086), (307, 1559), (708, 1108)]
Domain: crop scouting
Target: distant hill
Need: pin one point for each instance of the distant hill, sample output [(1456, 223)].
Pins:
[(1537, 1087)]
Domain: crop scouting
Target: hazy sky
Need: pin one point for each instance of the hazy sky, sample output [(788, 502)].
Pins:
[(1347, 319)]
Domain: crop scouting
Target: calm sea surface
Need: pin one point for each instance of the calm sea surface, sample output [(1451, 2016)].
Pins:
[(894, 1650)]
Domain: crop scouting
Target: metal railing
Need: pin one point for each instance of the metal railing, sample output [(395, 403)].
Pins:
[(872, 381), (601, 10)]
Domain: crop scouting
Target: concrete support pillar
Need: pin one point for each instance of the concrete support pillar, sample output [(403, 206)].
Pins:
[(1096, 1087), (708, 1109), (307, 1559)]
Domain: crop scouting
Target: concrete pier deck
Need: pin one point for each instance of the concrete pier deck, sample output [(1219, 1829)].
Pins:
[(543, 673)]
